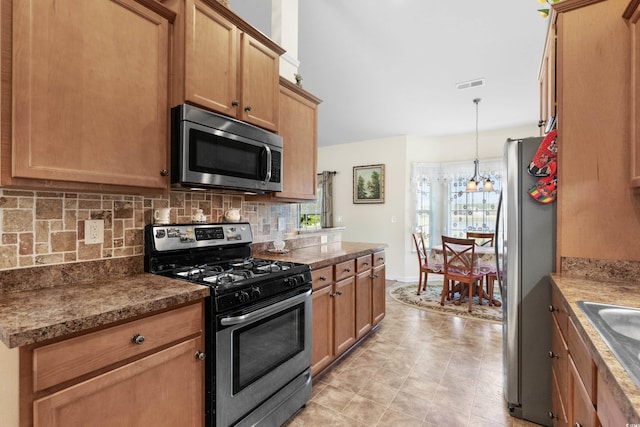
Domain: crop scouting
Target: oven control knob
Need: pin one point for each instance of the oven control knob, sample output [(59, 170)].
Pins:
[(255, 292), (243, 296), (291, 281)]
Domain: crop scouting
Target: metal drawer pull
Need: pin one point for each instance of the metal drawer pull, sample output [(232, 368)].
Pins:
[(323, 278), (348, 270), (200, 355), (137, 339), (338, 293), (552, 355)]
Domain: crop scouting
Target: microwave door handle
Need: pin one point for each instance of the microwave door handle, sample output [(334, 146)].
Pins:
[(268, 175)]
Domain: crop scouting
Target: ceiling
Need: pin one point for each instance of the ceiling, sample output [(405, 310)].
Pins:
[(391, 68)]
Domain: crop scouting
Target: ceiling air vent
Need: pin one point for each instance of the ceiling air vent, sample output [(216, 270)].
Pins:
[(470, 83)]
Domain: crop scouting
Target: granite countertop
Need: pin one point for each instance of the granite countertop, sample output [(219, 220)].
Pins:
[(626, 293), (324, 255), (34, 315)]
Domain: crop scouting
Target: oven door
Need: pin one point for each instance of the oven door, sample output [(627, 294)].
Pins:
[(260, 352)]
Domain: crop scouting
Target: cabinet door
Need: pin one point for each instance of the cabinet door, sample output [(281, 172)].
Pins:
[(378, 302), (634, 16), (322, 329), (363, 303), (299, 129), (90, 84), (582, 412), (163, 389), (260, 90), (211, 59), (344, 314)]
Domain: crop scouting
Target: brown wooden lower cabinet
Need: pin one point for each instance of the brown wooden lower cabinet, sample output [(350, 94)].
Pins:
[(144, 372), (348, 300), (580, 396)]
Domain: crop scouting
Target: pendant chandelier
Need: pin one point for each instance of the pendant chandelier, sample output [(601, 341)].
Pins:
[(476, 179)]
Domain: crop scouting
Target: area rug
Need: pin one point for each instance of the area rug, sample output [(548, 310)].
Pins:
[(430, 300)]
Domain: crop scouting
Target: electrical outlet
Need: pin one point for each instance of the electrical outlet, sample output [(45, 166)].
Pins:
[(93, 231), (323, 240)]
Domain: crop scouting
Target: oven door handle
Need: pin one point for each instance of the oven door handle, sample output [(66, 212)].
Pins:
[(264, 312)]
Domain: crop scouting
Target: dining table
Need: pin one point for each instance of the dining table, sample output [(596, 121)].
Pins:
[(484, 263)]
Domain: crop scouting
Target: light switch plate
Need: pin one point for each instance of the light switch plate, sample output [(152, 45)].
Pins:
[(93, 231)]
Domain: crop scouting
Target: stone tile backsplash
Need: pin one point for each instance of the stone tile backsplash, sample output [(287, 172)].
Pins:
[(45, 227)]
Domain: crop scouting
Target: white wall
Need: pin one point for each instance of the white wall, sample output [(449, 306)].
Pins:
[(391, 222)]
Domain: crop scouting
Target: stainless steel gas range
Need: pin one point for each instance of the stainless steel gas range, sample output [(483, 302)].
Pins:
[(258, 320)]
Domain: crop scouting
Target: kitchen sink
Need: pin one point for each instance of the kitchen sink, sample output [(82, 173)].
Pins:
[(619, 327)]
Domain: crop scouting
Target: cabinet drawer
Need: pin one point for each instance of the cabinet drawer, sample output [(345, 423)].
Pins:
[(583, 362), (363, 263), (345, 269), (559, 310), (321, 277), (65, 360), (558, 405), (559, 359), (378, 258)]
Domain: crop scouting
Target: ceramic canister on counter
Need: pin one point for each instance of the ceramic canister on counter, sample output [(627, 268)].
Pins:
[(162, 216), (232, 215)]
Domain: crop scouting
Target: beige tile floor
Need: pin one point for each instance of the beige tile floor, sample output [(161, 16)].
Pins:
[(417, 369)]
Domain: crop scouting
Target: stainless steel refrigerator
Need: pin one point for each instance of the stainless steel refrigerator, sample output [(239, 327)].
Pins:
[(526, 235)]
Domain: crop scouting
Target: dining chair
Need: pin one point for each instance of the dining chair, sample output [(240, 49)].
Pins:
[(485, 239), (481, 239), (459, 259), (423, 262)]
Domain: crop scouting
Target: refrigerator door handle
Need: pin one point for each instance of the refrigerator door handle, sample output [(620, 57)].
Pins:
[(497, 228)]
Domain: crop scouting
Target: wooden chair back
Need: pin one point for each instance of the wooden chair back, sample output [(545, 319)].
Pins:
[(458, 256), (423, 262), (481, 239), (418, 241)]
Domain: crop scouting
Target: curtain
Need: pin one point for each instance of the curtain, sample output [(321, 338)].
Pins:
[(326, 189)]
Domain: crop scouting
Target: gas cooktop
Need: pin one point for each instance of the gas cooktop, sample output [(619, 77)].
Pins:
[(218, 255)]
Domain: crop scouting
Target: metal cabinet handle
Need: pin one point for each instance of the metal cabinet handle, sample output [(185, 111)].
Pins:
[(164, 172), (348, 270), (323, 278), (338, 293), (235, 103), (365, 263), (137, 339), (552, 355), (200, 355), (247, 108), (577, 424), (552, 416), (551, 309)]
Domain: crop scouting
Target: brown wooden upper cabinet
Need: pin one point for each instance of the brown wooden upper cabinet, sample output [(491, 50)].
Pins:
[(84, 94), (632, 14), (299, 130), (225, 65)]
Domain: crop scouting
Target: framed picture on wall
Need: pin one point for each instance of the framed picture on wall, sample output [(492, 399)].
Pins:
[(368, 184)]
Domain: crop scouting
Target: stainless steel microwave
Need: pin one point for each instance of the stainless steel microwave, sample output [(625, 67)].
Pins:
[(213, 151)]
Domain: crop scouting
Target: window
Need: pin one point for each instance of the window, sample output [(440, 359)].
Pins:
[(310, 213), (319, 214), (444, 207)]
